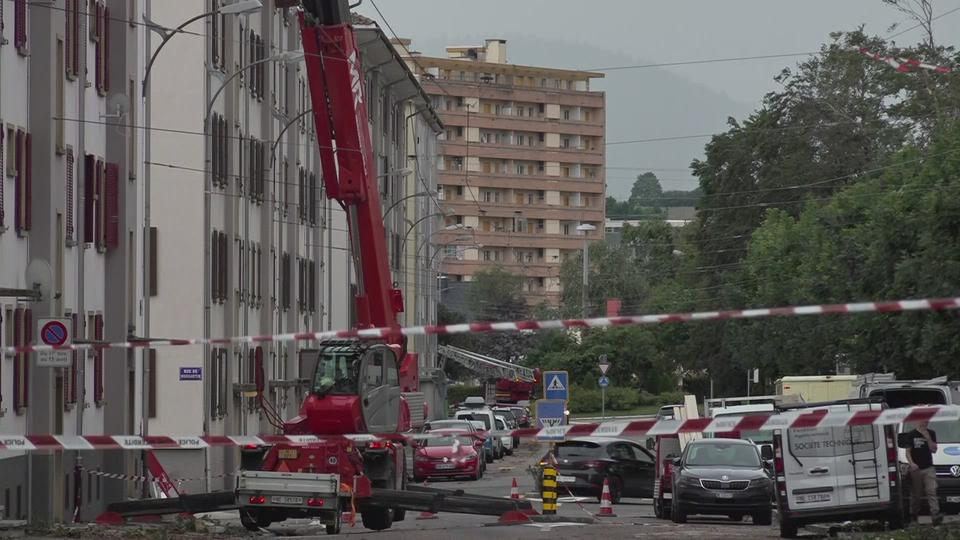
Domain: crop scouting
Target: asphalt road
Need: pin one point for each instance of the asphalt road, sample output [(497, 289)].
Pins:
[(634, 519)]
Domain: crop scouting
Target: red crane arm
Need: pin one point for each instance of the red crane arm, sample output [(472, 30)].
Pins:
[(337, 91)]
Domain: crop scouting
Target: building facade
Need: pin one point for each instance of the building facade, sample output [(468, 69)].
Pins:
[(246, 241), (71, 204), (521, 163)]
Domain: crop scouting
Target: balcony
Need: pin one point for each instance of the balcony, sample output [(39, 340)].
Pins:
[(540, 123), (521, 153), (451, 177)]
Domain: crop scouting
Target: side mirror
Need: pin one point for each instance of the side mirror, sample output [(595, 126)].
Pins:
[(676, 461), (768, 466), (651, 444), (766, 452)]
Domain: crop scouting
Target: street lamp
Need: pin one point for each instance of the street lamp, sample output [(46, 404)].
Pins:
[(586, 229), (239, 7), (406, 172), (287, 57)]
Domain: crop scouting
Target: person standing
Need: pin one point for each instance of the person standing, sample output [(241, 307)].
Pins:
[(923, 475)]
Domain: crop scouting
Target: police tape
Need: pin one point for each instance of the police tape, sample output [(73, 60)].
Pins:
[(140, 478), (903, 65), (895, 306), (808, 418)]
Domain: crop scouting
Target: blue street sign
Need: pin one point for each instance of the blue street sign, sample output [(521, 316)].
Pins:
[(604, 381), (191, 374), (556, 385), (550, 412)]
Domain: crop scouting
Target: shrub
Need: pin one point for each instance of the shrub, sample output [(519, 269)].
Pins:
[(583, 400), (621, 399)]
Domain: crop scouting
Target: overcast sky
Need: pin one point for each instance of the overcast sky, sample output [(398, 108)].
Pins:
[(617, 32)]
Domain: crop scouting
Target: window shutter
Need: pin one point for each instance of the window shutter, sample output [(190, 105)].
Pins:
[(224, 152), (69, 197), (112, 206), (98, 362), (18, 182), (105, 26), (3, 132), (258, 374), (97, 47), (89, 197), (17, 358), (215, 36), (98, 205), (68, 38), (214, 148), (73, 377), (28, 182), (154, 261), (214, 260), (152, 383), (20, 26), (77, 39), (225, 265)]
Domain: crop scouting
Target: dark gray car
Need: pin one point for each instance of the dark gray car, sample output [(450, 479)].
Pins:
[(722, 477)]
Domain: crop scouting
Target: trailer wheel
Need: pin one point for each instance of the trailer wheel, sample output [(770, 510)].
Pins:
[(334, 528), (377, 518), (253, 521)]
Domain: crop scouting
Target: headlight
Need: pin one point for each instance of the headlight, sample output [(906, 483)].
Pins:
[(689, 481), (759, 483)]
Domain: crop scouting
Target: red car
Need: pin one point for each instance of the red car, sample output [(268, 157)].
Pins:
[(448, 455)]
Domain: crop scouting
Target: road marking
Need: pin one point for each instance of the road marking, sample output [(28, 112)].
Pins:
[(547, 527)]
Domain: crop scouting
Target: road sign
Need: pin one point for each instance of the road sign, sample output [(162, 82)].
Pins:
[(556, 385), (54, 332), (191, 374), (604, 364), (550, 413), (604, 381)]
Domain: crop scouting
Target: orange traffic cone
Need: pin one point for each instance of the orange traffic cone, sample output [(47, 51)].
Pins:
[(606, 506), (425, 514), (515, 490)]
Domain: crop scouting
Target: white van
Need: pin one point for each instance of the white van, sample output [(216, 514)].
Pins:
[(486, 416), (828, 474)]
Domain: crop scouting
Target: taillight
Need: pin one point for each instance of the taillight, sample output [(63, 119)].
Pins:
[(892, 456), (667, 469), (257, 499), (315, 501), (778, 469), (250, 446), (374, 445), (594, 464)]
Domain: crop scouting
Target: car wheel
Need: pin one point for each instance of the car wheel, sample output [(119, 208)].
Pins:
[(736, 517), (763, 518), (657, 509), (788, 529), (489, 457)]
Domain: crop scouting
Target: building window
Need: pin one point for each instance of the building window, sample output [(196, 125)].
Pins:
[(98, 361), (69, 198), (22, 335), (285, 270), (218, 383), (101, 35), (23, 183), (220, 144), (219, 267)]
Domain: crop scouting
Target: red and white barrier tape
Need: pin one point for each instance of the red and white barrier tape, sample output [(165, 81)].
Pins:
[(813, 417), (904, 65), (896, 306), (141, 478)]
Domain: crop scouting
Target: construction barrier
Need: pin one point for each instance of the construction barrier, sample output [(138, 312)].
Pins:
[(896, 306), (794, 419)]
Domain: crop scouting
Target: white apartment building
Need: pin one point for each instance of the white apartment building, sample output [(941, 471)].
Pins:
[(245, 240), (71, 199)]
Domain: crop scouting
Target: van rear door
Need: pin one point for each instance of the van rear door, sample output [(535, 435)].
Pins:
[(862, 465), (810, 468)]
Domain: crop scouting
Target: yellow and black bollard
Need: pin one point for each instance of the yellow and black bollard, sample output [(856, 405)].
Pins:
[(549, 490)]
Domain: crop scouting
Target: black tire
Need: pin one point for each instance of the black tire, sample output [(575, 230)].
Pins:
[(736, 517), (334, 528), (788, 529), (616, 490), (516, 443), (677, 514), (657, 509), (376, 518), (399, 514), (763, 518), (508, 452), (418, 479), (248, 521), (488, 458)]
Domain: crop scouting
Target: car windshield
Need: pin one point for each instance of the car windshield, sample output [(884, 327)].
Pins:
[(500, 424), (579, 449), (336, 374), (758, 437), (722, 455), (947, 431), (449, 424), (447, 441), (478, 417)]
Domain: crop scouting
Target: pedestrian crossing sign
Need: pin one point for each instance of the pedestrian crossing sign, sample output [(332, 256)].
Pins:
[(556, 385)]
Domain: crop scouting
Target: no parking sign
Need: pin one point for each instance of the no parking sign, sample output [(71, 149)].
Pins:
[(54, 332)]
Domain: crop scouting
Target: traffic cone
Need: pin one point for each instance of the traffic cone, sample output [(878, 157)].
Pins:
[(606, 506), (425, 514), (515, 490)]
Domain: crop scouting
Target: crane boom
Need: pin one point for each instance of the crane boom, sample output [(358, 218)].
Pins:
[(337, 90)]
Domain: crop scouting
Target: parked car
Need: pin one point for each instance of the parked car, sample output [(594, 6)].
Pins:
[(518, 413), (447, 456), (667, 448), (838, 473), (511, 416), (503, 434), (484, 420), (474, 428), (722, 477), (584, 463)]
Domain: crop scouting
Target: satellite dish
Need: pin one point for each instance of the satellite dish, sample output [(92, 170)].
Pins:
[(39, 277)]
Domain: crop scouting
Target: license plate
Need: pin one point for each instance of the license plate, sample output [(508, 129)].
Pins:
[(814, 498), (288, 453), (281, 499), (445, 466), (953, 499), (567, 479), (722, 495)]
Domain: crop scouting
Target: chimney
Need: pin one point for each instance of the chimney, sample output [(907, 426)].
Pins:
[(496, 51)]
